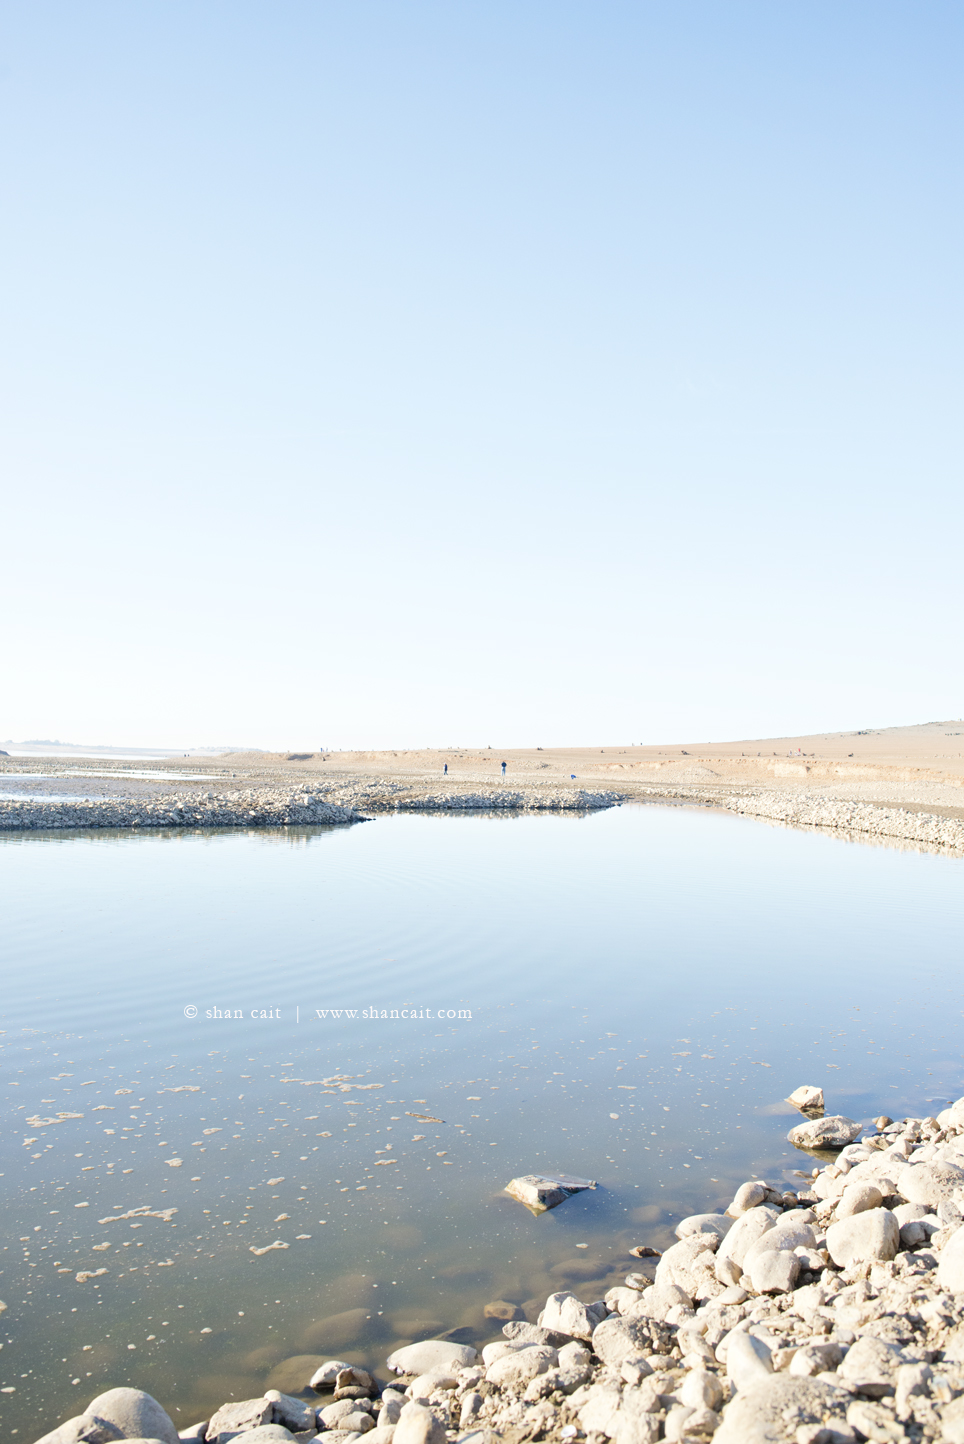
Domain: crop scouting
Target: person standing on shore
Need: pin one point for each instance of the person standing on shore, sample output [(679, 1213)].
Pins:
[(445, 770), (503, 769)]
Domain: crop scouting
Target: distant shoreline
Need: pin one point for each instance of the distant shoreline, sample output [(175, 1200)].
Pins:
[(897, 785)]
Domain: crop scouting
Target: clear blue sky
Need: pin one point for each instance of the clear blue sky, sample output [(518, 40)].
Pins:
[(426, 373)]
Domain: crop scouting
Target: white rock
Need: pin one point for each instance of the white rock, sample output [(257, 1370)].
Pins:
[(600, 1413), (931, 1183), (333, 1414), (775, 1272), (727, 1271), (265, 1434), (358, 1423), (859, 1197), (87, 1426), (778, 1406), (293, 1413), (324, 1378), (426, 1384), (952, 1422), (911, 1379), (788, 1233), (815, 1359), (658, 1303), (745, 1232), (677, 1422), (876, 1422), (418, 1425), (735, 1294), (910, 1212), (834, 1131), (565, 1314), (870, 1366), (871, 1237), (574, 1356), (748, 1360), (391, 1409), (950, 1270), (952, 1117), (514, 1371), (806, 1096), (430, 1354), (616, 1339), (619, 1298), (471, 1405), (701, 1390), (717, 1223), (622, 1417), (498, 1349), (540, 1192), (812, 1258), (748, 1195), (686, 1262), (136, 1414)]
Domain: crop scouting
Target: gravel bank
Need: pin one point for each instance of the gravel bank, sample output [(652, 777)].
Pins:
[(830, 1316), (817, 811), (260, 807), (285, 806)]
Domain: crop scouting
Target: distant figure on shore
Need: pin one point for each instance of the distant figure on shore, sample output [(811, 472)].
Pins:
[(445, 770), (503, 769)]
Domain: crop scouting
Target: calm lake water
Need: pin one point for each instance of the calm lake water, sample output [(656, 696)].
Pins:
[(634, 994)]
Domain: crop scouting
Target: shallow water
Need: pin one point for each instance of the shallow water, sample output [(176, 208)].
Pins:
[(644, 987), (115, 774)]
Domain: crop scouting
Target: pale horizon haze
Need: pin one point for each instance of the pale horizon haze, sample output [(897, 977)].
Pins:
[(434, 374)]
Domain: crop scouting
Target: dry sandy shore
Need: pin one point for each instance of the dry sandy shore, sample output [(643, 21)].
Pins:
[(900, 784)]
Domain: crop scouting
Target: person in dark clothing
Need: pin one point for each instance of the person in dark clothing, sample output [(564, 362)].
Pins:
[(445, 770), (503, 769)]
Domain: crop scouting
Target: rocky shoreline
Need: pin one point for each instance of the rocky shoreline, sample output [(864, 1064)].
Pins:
[(853, 818), (282, 807), (252, 807), (832, 1315)]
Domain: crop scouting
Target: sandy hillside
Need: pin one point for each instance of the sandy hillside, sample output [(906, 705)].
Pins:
[(917, 766)]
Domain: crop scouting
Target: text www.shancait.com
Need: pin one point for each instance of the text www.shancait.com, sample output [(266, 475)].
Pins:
[(274, 1014)]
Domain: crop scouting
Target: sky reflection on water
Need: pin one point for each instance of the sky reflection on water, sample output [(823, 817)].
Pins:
[(645, 987)]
